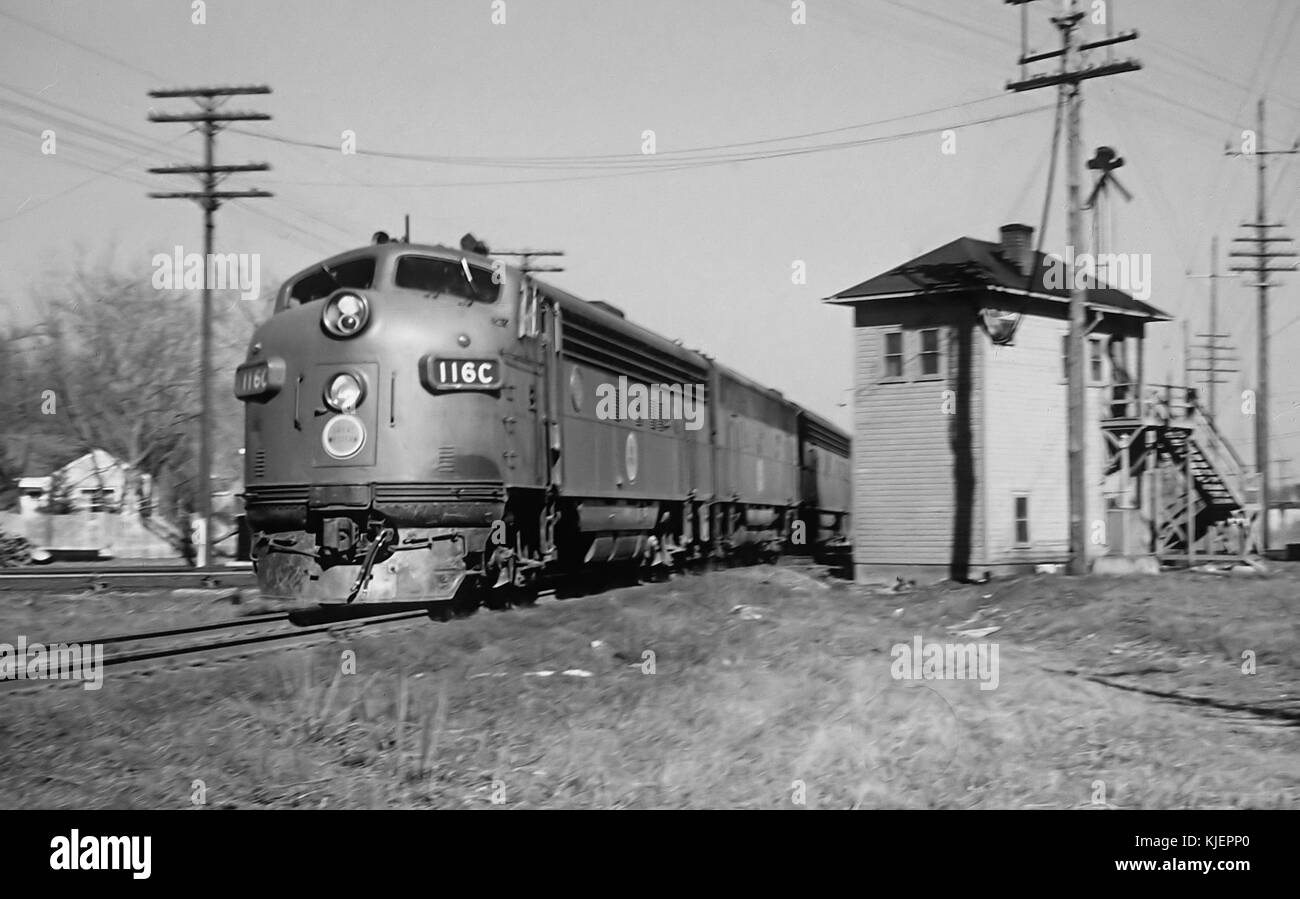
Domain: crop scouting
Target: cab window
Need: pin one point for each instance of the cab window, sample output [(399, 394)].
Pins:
[(357, 274), (437, 277)]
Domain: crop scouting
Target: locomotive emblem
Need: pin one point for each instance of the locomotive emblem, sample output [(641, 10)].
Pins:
[(343, 436)]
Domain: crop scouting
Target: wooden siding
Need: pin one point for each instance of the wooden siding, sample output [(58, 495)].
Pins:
[(1025, 433), (907, 468)]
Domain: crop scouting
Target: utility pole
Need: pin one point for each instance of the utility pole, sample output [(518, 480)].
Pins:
[(1259, 247), (1072, 73), (210, 119), (1216, 351)]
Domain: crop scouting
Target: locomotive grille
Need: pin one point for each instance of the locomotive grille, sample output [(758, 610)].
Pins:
[(438, 493), (446, 459), (586, 341), (285, 494), (259, 463)]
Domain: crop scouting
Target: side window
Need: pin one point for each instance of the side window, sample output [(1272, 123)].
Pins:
[(1096, 362), (1022, 520), (930, 354), (529, 310), (894, 354)]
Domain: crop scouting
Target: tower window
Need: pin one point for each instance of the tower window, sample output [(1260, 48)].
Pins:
[(1096, 366), (930, 352), (894, 354), (1022, 520)]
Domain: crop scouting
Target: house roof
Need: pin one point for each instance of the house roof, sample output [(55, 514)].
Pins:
[(42, 455), (969, 263)]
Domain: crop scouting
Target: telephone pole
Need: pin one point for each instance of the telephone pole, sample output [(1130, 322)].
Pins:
[(1216, 352), (210, 119), (1259, 247), (1073, 71)]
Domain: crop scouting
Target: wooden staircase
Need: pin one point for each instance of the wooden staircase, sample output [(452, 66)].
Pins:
[(1200, 500)]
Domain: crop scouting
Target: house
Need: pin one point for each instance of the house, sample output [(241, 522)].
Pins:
[(960, 415), (92, 505), (92, 482)]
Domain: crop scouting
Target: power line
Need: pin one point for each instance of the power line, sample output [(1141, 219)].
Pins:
[(87, 48), (698, 163), (690, 154), (1214, 348)]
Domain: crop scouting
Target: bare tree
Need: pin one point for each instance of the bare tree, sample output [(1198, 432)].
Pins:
[(122, 361)]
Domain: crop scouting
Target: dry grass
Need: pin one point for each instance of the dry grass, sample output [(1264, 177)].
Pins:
[(788, 697)]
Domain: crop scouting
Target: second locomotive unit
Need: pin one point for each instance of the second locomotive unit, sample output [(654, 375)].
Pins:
[(427, 424)]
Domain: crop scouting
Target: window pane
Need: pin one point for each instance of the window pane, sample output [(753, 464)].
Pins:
[(445, 276), (930, 352), (358, 274), (894, 355), (1022, 519)]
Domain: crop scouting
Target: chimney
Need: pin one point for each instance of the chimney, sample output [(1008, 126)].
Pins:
[(1017, 247)]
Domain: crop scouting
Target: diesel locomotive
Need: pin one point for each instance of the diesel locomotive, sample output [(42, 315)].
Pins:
[(428, 424)]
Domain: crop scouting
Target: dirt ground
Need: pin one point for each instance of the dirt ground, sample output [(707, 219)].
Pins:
[(767, 687)]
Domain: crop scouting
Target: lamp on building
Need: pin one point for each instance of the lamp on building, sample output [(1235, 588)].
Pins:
[(999, 324)]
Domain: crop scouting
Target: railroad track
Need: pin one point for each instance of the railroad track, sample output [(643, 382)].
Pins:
[(98, 580), (247, 634), (232, 638)]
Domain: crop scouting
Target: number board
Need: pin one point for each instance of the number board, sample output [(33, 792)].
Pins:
[(462, 374), (259, 380)]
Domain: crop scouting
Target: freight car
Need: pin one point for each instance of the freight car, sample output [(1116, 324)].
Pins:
[(428, 424)]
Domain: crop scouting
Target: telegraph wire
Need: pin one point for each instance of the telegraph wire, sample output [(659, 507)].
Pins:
[(698, 162), (85, 47), (598, 160)]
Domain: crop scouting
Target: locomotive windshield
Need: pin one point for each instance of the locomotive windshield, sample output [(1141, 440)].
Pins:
[(358, 274), (446, 276)]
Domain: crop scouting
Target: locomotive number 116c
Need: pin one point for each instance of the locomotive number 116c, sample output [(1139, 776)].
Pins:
[(453, 374)]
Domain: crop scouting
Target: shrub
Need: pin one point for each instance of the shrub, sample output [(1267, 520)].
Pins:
[(14, 550)]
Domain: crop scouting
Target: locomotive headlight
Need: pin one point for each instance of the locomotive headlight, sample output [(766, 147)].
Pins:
[(345, 314), (344, 392)]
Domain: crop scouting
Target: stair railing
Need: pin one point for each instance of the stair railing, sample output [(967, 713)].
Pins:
[(1219, 453)]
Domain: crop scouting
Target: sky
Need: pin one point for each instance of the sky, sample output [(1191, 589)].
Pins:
[(779, 148)]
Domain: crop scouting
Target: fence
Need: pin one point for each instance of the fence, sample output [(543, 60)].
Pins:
[(112, 535)]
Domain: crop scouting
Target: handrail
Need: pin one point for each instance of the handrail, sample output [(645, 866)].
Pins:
[(1176, 404), (1221, 454), (1218, 437)]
